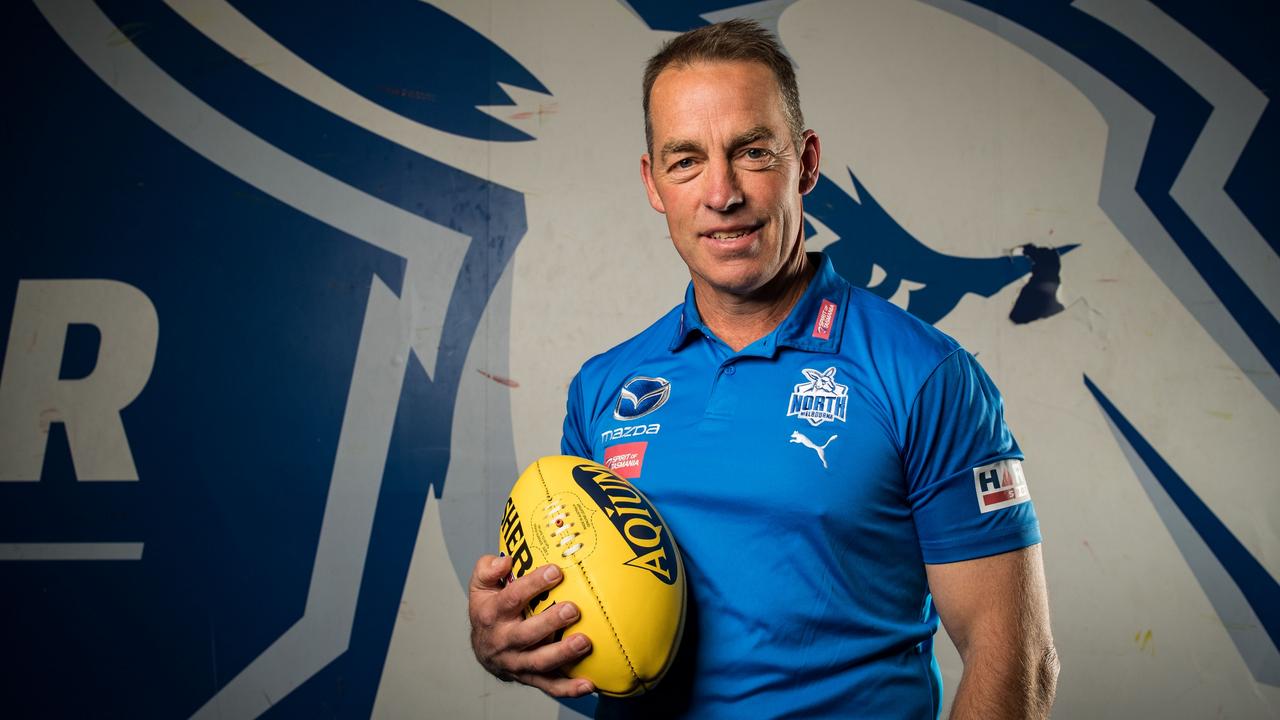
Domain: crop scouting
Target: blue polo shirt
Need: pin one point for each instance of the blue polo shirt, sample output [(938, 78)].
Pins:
[(807, 479)]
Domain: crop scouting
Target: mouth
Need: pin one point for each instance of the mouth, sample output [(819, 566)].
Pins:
[(732, 235)]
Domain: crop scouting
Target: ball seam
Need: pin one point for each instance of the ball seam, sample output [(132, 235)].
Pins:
[(546, 491), (599, 603)]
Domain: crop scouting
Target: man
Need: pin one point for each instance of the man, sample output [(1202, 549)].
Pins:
[(837, 474)]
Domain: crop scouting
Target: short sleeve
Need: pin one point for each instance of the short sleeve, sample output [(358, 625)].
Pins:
[(966, 488), (573, 440)]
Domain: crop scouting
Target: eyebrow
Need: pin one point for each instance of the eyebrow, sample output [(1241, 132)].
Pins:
[(755, 134), (680, 146)]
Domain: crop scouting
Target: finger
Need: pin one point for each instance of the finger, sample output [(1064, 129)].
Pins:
[(552, 656), (539, 627), (517, 594), (557, 686), (488, 573)]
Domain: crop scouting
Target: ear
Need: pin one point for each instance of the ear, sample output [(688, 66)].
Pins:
[(831, 372), (811, 374), (810, 154), (646, 176)]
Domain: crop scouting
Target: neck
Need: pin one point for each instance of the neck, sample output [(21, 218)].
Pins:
[(740, 320)]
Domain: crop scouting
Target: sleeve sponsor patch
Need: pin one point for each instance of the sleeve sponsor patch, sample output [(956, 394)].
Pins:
[(1000, 485)]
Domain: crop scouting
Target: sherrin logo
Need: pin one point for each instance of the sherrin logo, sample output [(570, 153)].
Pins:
[(514, 543), (820, 400), (640, 396), (634, 519)]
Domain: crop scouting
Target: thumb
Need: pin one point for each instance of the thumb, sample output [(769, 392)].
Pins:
[(489, 573)]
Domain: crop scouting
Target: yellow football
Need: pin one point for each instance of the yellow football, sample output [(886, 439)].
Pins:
[(621, 567)]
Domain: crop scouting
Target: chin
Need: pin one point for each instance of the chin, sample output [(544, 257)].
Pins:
[(737, 284)]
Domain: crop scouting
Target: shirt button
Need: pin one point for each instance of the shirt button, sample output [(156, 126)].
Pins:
[(730, 370)]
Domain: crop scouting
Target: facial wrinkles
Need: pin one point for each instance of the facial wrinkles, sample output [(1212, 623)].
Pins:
[(710, 111)]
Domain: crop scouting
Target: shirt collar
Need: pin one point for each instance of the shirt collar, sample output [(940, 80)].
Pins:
[(815, 324)]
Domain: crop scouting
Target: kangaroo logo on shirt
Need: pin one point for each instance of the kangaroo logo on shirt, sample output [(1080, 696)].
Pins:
[(820, 400)]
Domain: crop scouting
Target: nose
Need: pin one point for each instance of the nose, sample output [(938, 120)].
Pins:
[(721, 191)]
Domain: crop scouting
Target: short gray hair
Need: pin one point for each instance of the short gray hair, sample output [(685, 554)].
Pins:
[(732, 40)]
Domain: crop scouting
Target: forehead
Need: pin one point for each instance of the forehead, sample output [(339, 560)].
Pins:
[(692, 100)]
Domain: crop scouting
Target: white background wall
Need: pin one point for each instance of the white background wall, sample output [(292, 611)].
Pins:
[(975, 146), (975, 133)]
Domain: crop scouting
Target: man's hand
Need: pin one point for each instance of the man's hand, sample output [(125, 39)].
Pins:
[(514, 648), (996, 611)]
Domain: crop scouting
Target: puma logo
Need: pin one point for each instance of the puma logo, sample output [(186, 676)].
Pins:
[(799, 437)]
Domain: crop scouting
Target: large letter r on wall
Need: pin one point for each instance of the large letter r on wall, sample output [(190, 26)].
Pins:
[(32, 396)]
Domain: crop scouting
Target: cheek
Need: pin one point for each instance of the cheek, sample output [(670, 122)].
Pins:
[(682, 206)]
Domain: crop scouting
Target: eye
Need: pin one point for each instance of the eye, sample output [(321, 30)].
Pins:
[(756, 153), (683, 164)]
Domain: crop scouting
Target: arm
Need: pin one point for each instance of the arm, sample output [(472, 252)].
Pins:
[(996, 610), (513, 647)]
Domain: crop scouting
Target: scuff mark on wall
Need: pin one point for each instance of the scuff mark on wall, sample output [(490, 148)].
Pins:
[(408, 93), (499, 379), (1145, 642), (543, 110)]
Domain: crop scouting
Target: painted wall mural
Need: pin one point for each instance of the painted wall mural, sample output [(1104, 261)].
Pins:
[(288, 298)]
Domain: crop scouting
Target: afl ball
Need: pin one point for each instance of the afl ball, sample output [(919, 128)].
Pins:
[(621, 567)]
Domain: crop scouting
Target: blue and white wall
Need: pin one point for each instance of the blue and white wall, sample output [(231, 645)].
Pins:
[(288, 296)]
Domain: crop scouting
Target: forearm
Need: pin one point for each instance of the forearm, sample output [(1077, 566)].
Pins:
[(998, 684)]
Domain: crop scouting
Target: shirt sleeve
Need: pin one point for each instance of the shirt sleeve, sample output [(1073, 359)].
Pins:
[(573, 440), (963, 468)]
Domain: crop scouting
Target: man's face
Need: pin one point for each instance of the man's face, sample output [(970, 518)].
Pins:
[(726, 173)]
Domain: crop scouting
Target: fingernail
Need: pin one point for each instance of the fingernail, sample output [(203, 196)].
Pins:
[(568, 611), (495, 563), (551, 573), (584, 687), (578, 642)]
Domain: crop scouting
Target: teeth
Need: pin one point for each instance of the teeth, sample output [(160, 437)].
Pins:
[(728, 236)]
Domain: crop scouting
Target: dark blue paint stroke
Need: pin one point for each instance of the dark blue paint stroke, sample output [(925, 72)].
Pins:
[(1038, 298), (1243, 33), (405, 55), (1180, 117), (249, 386), (869, 236), (260, 309), (678, 16), (1260, 590), (379, 167), (417, 464)]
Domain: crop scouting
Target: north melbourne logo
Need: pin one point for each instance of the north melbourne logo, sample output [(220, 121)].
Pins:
[(820, 400)]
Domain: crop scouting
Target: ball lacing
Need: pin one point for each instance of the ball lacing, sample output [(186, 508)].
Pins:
[(559, 521)]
